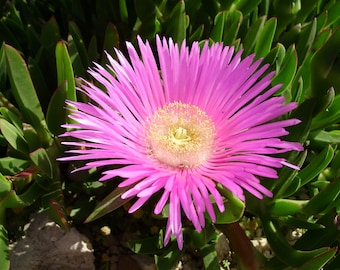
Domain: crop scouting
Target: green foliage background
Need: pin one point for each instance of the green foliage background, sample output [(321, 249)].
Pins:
[(46, 44)]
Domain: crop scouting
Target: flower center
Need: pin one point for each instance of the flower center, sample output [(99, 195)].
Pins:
[(181, 135)]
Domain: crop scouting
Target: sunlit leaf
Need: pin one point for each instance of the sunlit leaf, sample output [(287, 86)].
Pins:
[(284, 207), (41, 159), (210, 258), (287, 70), (234, 209), (14, 136), (111, 202), (144, 246), (4, 250), (24, 92), (65, 70), (11, 165), (252, 35), (317, 165), (169, 258), (264, 42)]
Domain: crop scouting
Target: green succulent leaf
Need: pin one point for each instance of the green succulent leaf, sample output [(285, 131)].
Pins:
[(209, 255), (306, 39), (55, 209), (252, 35), (327, 117), (317, 165), (79, 45), (4, 250), (111, 40), (11, 165), (14, 136), (287, 70), (56, 113), (13, 200), (149, 245), (264, 42), (319, 261), (65, 71), (108, 204), (325, 236), (219, 22), (234, 208), (285, 207), (178, 23), (244, 6), (324, 199), (325, 67), (42, 160), (282, 249), (12, 117), (24, 92), (169, 259), (333, 14)]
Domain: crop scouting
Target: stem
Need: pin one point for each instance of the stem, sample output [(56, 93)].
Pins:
[(241, 244)]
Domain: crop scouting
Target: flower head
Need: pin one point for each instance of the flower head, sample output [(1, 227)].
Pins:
[(198, 119)]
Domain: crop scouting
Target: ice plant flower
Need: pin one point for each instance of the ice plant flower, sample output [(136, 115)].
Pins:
[(181, 126)]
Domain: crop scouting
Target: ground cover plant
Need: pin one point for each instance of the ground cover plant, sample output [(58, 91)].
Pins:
[(277, 78)]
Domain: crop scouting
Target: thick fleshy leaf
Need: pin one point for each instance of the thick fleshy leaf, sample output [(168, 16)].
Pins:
[(169, 259), (284, 207), (12, 117), (111, 40), (244, 6), (209, 255), (197, 35), (42, 160), (233, 22), (324, 66), (282, 249), (226, 26), (5, 186), (178, 23), (324, 236), (148, 245), (327, 117), (4, 250), (319, 261), (55, 210), (264, 42), (306, 39), (287, 183), (287, 70), (317, 165), (110, 203), (79, 44), (252, 35), (24, 92), (65, 70), (11, 165), (13, 200), (324, 199), (333, 13), (14, 136), (234, 209), (56, 113), (219, 23)]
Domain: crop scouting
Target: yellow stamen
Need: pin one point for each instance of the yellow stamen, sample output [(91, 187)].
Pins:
[(180, 135)]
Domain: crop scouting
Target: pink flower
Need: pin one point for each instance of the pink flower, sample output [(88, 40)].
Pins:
[(197, 119)]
